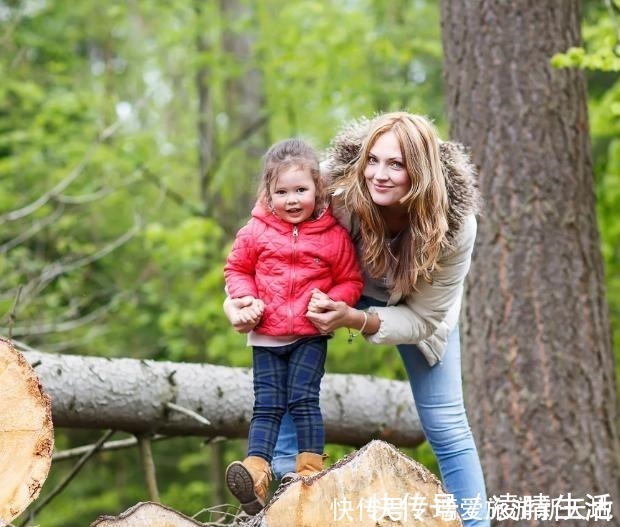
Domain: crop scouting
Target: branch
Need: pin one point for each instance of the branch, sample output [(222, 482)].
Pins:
[(58, 327), (148, 466), (32, 230), (104, 135), (97, 195), (42, 200), (34, 287), (170, 193), (109, 445), (12, 314), (81, 342), (74, 472), (243, 135), (189, 412)]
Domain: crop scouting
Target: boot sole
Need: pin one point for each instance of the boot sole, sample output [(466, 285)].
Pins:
[(239, 482)]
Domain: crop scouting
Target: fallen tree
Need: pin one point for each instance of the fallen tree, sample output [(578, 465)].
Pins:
[(148, 397)]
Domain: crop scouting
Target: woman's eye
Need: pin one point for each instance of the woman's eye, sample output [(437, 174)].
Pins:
[(397, 165), (372, 160)]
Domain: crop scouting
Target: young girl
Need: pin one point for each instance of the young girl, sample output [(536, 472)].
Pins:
[(291, 246)]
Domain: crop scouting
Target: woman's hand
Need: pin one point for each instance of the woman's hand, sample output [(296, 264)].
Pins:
[(326, 314), (243, 313)]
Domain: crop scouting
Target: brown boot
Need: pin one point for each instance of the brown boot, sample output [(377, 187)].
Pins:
[(308, 464), (248, 482)]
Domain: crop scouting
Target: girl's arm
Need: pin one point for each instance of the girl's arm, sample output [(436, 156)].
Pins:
[(241, 264)]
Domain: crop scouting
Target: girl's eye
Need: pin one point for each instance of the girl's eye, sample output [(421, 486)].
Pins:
[(372, 160), (279, 192), (301, 189)]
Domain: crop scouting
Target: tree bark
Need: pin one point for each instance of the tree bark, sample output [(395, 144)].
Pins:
[(538, 361), (132, 395), (26, 434)]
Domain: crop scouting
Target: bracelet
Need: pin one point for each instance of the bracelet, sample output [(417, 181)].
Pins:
[(361, 330)]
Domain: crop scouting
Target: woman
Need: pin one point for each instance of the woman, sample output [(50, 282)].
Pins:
[(409, 202)]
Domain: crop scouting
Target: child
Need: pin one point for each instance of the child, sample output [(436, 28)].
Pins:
[(291, 245)]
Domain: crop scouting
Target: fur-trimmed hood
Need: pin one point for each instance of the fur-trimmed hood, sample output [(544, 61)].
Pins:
[(459, 172)]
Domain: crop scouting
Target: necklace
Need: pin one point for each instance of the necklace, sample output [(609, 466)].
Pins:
[(391, 241)]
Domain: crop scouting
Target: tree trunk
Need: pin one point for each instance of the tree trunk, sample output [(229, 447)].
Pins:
[(26, 434), (538, 362), (205, 116), (245, 103), (376, 486), (142, 397)]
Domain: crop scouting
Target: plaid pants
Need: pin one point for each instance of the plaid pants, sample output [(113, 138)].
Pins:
[(288, 378)]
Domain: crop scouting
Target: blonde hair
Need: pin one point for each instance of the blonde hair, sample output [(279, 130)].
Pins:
[(286, 154), (421, 241)]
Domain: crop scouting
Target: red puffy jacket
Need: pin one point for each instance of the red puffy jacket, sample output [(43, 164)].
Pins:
[(281, 263)]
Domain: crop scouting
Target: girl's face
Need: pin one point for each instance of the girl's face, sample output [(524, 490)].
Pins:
[(293, 195), (386, 176)]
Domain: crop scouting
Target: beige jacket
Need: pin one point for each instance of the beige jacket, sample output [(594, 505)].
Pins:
[(425, 317)]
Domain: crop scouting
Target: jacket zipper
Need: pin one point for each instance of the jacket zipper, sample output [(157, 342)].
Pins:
[(290, 302)]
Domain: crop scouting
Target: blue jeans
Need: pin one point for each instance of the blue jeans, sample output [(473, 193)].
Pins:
[(438, 396)]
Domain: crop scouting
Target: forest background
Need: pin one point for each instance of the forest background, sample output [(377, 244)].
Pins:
[(130, 140)]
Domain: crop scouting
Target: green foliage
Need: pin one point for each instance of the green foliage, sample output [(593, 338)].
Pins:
[(605, 129), (601, 34)]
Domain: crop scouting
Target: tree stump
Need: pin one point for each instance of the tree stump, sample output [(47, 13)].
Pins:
[(147, 514), (377, 486), (26, 433)]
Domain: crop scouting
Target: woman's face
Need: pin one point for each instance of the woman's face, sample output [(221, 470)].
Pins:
[(386, 176)]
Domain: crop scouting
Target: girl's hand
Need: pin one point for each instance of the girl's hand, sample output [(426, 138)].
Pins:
[(317, 297), (243, 313)]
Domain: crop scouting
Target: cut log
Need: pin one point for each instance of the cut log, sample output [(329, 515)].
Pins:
[(26, 433), (136, 395), (147, 514), (375, 486)]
